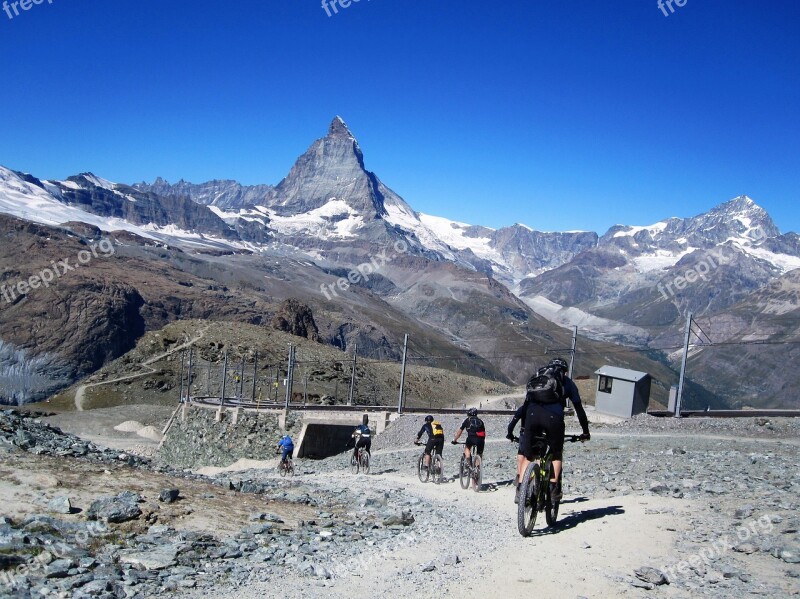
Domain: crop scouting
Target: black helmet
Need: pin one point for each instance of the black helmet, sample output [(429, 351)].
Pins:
[(559, 363), (472, 412), (428, 418)]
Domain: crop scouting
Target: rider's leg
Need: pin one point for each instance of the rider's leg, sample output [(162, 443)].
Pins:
[(556, 471)]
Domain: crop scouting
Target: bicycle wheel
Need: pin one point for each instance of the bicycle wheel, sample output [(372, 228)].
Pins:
[(365, 462), (354, 464), (422, 472), (437, 465), (290, 468), (477, 473), (282, 469), (528, 498), (463, 473)]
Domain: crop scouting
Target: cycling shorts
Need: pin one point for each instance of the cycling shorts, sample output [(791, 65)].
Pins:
[(362, 442), (434, 443), (476, 440), (541, 420)]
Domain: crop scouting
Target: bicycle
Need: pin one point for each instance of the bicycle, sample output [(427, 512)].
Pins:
[(535, 495), (360, 461), (435, 469), (286, 467), (470, 470)]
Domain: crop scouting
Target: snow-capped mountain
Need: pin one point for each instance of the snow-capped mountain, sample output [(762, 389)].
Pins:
[(333, 214)]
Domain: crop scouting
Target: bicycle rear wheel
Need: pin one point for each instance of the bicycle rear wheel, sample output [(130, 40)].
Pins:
[(365, 462), (477, 473), (528, 499), (437, 465), (422, 472), (463, 473), (354, 463)]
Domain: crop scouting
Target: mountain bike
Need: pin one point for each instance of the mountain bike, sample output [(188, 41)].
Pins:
[(434, 470), (360, 461), (470, 470), (534, 494), (286, 467)]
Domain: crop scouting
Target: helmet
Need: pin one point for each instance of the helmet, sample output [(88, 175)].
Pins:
[(472, 412), (560, 363), (428, 418)]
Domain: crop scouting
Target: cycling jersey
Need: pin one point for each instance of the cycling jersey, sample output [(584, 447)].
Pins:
[(363, 431), (474, 427), (433, 429), (548, 420)]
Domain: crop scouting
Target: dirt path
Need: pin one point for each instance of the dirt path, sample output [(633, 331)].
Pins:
[(80, 392)]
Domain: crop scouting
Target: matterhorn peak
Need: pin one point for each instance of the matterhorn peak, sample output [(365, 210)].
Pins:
[(339, 128)]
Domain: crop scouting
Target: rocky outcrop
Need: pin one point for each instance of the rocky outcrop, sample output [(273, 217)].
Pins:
[(200, 440), (296, 318)]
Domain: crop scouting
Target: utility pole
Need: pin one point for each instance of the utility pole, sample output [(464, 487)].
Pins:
[(180, 385), (351, 394), (572, 351), (255, 371), (189, 377), (208, 380), (241, 380), (402, 375), (679, 398), (224, 376), (289, 376)]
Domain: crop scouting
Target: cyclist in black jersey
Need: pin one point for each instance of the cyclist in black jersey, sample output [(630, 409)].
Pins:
[(476, 433), (362, 434), (546, 418)]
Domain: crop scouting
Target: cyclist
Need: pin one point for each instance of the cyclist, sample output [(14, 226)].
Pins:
[(545, 415), (435, 438), (286, 446), (362, 436), (476, 433), (519, 416)]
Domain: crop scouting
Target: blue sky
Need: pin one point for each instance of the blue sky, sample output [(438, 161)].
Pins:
[(562, 115)]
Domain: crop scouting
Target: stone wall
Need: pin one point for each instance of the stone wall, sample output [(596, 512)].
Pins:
[(196, 439)]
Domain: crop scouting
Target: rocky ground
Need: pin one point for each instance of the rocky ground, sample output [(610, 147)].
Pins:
[(653, 507)]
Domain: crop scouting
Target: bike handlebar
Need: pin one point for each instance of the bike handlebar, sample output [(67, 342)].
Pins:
[(570, 438)]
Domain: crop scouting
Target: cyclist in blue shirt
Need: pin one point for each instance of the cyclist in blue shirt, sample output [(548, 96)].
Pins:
[(287, 446), (362, 436)]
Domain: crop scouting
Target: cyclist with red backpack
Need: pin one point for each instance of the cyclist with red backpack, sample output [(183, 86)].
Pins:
[(545, 399), (476, 433)]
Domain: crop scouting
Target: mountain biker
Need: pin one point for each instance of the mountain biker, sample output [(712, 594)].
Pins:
[(519, 416), (286, 446), (548, 418), (435, 438), (476, 433), (362, 434)]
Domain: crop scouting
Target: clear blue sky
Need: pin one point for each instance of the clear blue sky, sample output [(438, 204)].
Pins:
[(560, 114)]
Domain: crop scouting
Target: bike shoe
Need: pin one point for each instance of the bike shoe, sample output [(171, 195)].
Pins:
[(516, 495), (555, 492)]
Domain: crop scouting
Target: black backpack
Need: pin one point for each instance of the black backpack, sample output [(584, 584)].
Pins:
[(546, 386)]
